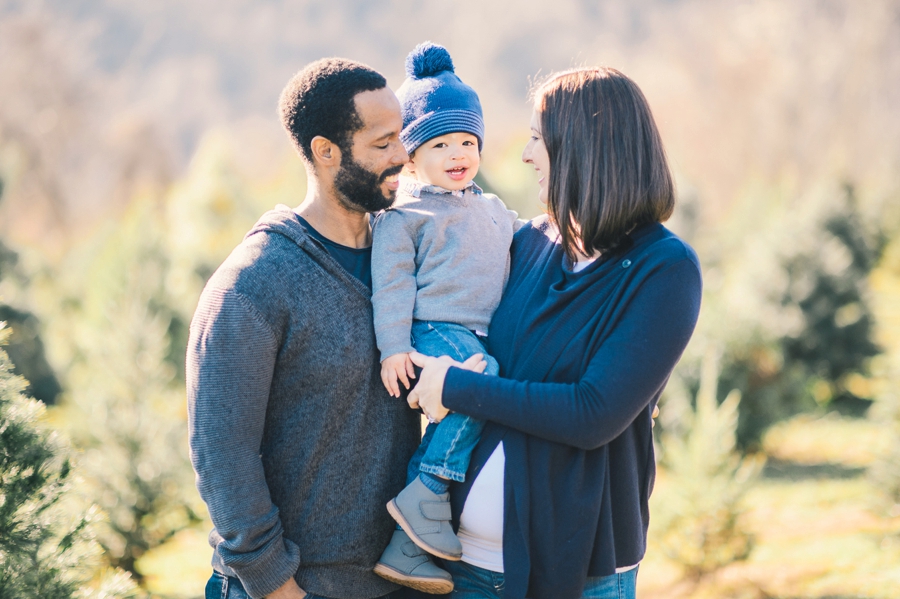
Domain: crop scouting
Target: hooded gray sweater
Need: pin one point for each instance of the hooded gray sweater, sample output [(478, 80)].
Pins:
[(296, 443)]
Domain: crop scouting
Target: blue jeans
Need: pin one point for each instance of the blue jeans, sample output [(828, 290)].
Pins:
[(472, 582), (447, 446), (227, 587)]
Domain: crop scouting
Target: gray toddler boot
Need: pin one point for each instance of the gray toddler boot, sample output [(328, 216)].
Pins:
[(405, 563), (425, 516)]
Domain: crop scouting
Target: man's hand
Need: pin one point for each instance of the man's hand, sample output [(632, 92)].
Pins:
[(395, 367), (288, 590)]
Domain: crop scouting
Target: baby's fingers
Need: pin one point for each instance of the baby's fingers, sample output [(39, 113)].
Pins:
[(390, 382), (401, 372)]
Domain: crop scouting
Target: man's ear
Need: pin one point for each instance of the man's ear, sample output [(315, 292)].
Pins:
[(325, 152)]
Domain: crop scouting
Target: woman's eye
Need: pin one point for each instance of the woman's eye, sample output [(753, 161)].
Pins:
[(534, 138)]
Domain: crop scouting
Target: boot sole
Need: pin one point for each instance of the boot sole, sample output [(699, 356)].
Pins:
[(397, 515), (434, 586)]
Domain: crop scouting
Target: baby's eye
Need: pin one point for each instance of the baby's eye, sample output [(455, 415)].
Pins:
[(468, 142), (440, 145)]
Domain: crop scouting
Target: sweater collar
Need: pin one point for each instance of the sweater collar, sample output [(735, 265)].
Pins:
[(415, 188)]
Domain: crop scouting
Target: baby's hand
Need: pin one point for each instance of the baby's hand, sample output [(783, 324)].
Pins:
[(398, 366)]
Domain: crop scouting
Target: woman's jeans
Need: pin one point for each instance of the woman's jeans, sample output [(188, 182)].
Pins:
[(472, 582), (447, 446)]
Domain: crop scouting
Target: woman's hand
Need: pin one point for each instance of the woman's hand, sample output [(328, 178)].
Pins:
[(428, 392)]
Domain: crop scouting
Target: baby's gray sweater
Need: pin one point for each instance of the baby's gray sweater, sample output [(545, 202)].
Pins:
[(438, 256)]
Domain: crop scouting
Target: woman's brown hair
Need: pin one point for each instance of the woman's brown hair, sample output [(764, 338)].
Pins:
[(608, 169)]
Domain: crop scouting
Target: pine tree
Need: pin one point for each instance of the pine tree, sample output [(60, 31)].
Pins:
[(821, 326), (125, 403), (44, 550), (697, 513)]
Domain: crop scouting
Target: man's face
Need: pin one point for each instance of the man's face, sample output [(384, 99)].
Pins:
[(368, 177)]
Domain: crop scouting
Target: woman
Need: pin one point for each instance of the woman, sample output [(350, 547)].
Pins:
[(601, 301)]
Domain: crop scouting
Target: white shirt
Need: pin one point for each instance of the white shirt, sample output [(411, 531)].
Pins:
[(481, 522)]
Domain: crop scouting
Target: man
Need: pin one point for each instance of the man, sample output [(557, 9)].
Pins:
[(296, 443)]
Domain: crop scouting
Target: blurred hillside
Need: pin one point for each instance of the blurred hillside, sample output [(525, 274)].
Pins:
[(101, 98), (139, 141)]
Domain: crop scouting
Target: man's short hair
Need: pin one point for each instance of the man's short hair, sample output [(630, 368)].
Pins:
[(319, 101)]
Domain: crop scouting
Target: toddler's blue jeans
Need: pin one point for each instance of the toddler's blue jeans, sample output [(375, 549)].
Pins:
[(447, 446)]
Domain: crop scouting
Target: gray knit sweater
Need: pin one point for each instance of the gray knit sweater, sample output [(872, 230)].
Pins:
[(439, 256), (296, 444)]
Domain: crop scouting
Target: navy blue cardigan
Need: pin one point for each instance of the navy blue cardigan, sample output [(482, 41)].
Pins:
[(583, 359)]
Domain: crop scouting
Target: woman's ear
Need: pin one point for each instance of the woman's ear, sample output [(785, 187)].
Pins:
[(325, 152)]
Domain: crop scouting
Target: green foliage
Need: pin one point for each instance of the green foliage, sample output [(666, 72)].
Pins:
[(828, 283), (126, 402), (794, 293), (697, 514), (44, 551), (124, 301), (885, 471)]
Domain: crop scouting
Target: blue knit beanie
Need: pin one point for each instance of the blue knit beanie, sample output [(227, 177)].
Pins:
[(434, 101)]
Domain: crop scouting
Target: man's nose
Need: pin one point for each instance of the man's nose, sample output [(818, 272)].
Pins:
[(401, 157)]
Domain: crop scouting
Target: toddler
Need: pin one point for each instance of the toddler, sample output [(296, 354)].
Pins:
[(440, 260)]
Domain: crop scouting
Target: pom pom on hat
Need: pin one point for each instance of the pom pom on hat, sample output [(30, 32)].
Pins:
[(434, 101), (427, 60)]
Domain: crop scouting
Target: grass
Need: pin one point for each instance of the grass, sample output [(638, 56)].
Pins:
[(821, 532)]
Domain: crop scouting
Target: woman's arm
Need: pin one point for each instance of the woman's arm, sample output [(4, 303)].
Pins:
[(627, 372)]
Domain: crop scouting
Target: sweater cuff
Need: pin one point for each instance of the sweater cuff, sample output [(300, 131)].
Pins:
[(393, 342), (461, 391), (270, 570)]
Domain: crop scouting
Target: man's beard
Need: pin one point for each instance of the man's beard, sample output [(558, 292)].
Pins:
[(360, 187)]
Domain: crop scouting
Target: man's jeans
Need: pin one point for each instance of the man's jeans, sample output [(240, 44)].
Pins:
[(447, 446), (227, 587), (472, 582)]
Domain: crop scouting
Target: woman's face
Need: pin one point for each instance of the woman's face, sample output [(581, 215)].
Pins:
[(535, 154)]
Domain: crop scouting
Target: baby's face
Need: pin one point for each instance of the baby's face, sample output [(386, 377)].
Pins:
[(450, 161)]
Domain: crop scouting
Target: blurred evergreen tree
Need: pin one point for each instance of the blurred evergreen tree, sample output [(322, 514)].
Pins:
[(697, 519), (127, 297), (697, 512), (126, 401), (830, 286), (44, 551), (25, 346), (832, 337)]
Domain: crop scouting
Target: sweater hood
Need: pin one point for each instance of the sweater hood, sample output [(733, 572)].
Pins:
[(283, 221)]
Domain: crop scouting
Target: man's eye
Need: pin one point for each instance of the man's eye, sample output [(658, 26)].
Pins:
[(384, 147)]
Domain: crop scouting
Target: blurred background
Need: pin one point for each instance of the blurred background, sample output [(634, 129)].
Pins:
[(139, 141)]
